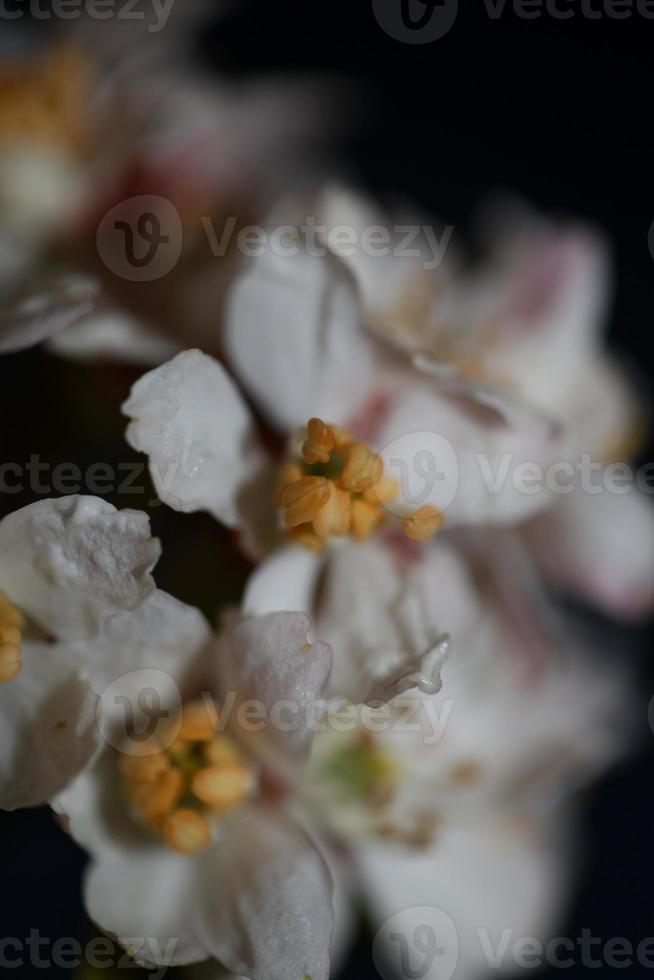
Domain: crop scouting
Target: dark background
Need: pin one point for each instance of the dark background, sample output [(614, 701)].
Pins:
[(560, 111)]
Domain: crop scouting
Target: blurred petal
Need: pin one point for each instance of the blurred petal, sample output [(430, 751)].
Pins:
[(40, 315), (72, 562), (269, 660), (599, 546), (48, 730), (113, 336), (485, 879), (283, 582), (293, 335), (474, 441), (264, 909), (191, 421)]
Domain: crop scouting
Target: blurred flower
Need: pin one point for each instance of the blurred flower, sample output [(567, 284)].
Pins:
[(103, 116), (66, 567), (528, 323)]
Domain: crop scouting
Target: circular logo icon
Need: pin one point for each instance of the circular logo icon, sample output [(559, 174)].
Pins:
[(426, 469), (415, 21), (139, 713), (141, 238), (417, 942)]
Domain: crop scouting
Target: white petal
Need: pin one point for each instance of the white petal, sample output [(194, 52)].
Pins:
[(40, 315), (268, 659), (473, 885), (469, 452), (283, 582), (381, 623), (293, 335), (136, 888), (191, 421), (113, 336), (265, 905), (156, 646), (599, 546), (47, 726), (72, 562)]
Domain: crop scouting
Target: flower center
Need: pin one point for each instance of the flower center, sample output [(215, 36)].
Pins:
[(178, 791), (12, 624), (336, 486), (362, 771), (42, 102)]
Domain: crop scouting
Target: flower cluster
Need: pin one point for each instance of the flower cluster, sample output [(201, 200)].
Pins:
[(400, 712)]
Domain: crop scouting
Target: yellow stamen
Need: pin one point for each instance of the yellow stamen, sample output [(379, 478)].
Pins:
[(290, 472), (334, 516), (152, 800), (222, 750), (305, 536), (365, 518), (424, 523), (384, 491), (303, 499), (144, 768), (10, 662), (319, 442), (187, 831), (12, 623), (222, 787), (198, 722), (363, 468)]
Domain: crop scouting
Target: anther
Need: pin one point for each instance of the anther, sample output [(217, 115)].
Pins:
[(424, 523), (302, 500), (187, 831), (319, 442), (363, 468)]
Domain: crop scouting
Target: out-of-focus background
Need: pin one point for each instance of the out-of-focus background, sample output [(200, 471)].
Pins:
[(557, 110)]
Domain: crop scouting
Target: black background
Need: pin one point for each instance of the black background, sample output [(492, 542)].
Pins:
[(559, 111)]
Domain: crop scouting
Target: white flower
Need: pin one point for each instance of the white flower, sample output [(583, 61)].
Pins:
[(113, 113), (67, 566), (530, 322), (193, 834)]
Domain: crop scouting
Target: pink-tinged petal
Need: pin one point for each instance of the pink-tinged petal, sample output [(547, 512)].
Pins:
[(473, 453), (191, 421), (599, 546), (293, 336), (263, 908), (270, 661), (72, 562), (475, 883), (42, 314), (48, 730)]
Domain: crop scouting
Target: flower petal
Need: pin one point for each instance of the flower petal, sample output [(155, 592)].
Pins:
[(72, 562), (482, 449), (264, 908), (48, 731), (113, 336), (268, 659), (599, 546), (283, 582), (293, 335), (190, 419), (37, 316), (484, 880), (135, 888)]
